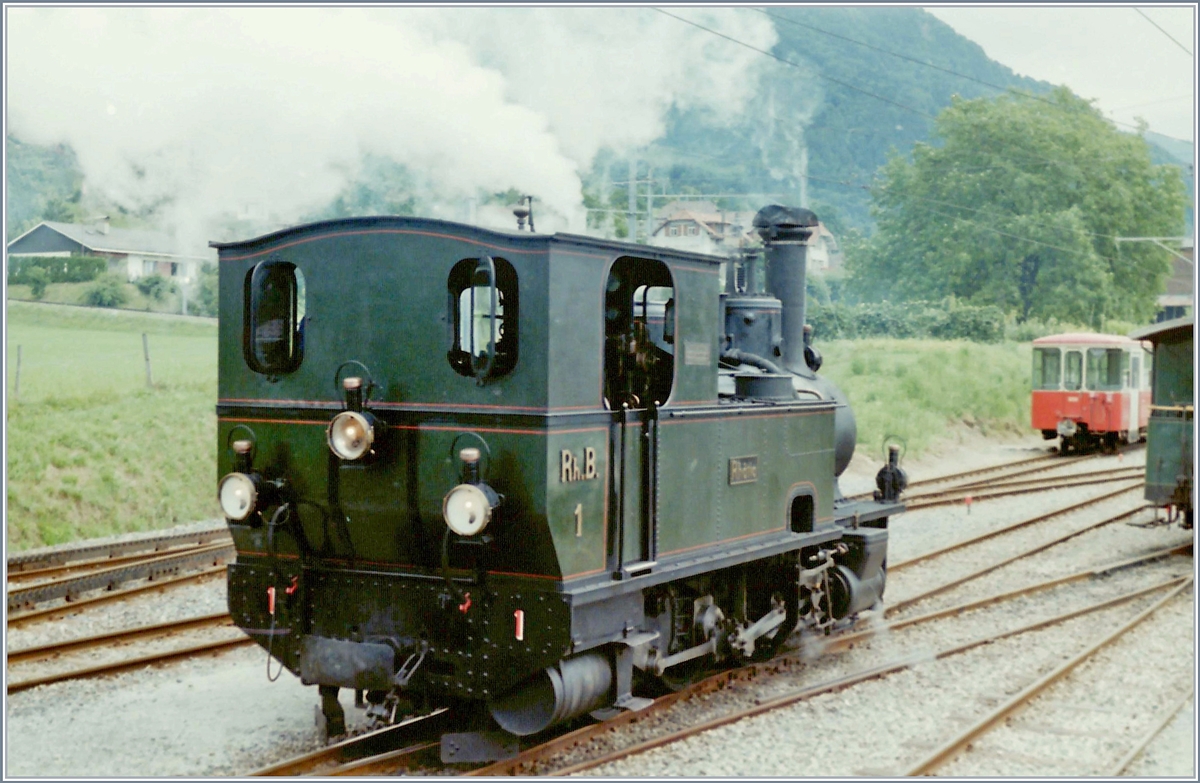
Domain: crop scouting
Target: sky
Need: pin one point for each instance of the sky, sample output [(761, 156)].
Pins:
[(270, 111), (1111, 54)]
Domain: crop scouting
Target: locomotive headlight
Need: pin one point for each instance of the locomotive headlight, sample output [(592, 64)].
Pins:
[(351, 434), (238, 496), (467, 509)]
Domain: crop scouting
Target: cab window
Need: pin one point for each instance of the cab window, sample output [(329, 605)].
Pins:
[(639, 333), (483, 305), (1047, 368), (1073, 371), (273, 317), (1105, 368)]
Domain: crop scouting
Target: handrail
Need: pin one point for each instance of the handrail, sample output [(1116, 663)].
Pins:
[(481, 364)]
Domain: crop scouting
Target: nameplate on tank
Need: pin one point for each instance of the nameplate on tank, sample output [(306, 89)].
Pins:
[(743, 470), (696, 353)]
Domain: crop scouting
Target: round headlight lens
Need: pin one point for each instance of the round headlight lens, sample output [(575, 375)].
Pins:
[(467, 510), (351, 435), (238, 496)]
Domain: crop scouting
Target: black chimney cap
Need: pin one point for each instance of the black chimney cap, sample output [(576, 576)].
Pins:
[(779, 222)]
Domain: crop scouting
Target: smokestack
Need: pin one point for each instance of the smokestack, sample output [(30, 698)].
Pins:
[(785, 232)]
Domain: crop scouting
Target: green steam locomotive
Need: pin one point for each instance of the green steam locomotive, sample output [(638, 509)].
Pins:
[(530, 475)]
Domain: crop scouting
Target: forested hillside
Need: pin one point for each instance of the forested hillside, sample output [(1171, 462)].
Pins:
[(852, 100), (43, 183)]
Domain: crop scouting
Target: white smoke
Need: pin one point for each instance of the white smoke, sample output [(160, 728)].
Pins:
[(215, 110)]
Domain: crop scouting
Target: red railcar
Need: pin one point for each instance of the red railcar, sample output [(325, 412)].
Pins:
[(1091, 389)]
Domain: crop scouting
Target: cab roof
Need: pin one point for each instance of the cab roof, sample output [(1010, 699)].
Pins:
[(1174, 329), (392, 223)]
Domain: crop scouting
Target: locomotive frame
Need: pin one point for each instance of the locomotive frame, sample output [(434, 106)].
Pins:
[(472, 465)]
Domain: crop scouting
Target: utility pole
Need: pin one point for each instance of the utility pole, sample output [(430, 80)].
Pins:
[(632, 191), (804, 177), (649, 204), (606, 226)]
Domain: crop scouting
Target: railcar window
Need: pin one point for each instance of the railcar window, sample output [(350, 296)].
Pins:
[(484, 339), (1073, 374), (1047, 368), (1105, 368), (273, 317)]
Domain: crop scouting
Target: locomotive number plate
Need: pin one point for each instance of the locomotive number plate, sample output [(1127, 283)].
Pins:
[(743, 470)]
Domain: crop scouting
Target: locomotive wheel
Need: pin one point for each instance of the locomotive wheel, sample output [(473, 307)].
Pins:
[(679, 677)]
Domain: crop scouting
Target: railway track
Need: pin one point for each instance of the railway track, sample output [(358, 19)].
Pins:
[(896, 606), (47, 613), (417, 755), (1002, 471), (972, 482), (989, 491), (84, 551), (977, 539), (410, 742), (115, 640), (71, 586), (539, 759), (410, 752), (962, 741)]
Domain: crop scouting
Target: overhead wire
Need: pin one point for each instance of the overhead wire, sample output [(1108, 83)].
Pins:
[(1010, 91), (1164, 32), (895, 103), (861, 186), (1002, 88), (785, 61)]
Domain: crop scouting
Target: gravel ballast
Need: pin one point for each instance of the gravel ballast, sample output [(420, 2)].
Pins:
[(220, 715)]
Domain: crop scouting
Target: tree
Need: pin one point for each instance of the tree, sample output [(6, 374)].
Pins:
[(1020, 207)]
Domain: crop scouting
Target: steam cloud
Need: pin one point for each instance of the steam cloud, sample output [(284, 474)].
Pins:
[(208, 111)]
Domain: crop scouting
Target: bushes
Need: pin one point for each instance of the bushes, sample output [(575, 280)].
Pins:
[(206, 292), (67, 269), (947, 320), (155, 287), (108, 291), (38, 278)]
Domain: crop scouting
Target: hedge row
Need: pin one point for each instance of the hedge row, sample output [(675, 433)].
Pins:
[(72, 269), (946, 320)]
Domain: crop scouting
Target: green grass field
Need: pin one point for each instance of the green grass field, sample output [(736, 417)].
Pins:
[(92, 451), (919, 389)]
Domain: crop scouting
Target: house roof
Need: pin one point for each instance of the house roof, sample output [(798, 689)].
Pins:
[(120, 240)]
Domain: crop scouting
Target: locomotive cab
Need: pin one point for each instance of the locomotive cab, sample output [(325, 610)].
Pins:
[(508, 470), (1170, 468)]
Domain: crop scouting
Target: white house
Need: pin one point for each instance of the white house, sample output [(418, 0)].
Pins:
[(132, 252)]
